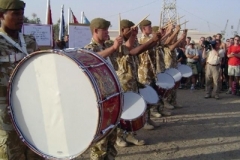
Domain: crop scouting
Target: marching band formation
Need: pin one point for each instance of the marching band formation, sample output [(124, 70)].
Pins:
[(114, 85)]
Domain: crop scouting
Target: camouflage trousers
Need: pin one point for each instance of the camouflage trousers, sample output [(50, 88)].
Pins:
[(172, 98), (105, 149), (11, 146)]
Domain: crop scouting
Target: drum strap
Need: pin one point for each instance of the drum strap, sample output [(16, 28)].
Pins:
[(22, 48)]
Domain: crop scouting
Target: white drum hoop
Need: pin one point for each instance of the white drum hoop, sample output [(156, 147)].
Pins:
[(176, 74), (149, 94), (185, 70), (134, 106), (165, 81)]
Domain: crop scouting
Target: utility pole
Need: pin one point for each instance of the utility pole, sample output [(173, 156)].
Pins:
[(169, 11)]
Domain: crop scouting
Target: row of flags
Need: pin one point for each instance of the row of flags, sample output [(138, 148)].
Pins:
[(72, 19)]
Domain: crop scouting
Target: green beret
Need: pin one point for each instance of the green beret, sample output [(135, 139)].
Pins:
[(126, 23), (145, 23), (155, 29), (99, 23), (11, 4)]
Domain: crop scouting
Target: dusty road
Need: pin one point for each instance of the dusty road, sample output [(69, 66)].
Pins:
[(203, 129)]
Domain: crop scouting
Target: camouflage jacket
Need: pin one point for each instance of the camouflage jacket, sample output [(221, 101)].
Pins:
[(123, 64), (160, 64), (170, 58), (147, 63), (6, 67)]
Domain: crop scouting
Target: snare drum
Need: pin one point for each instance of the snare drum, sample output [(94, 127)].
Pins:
[(177, 76), (134, 114), (165, 83), (149, 94), (185, 70), (61, 103)]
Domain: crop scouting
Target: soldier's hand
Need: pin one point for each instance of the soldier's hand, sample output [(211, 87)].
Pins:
[(178, 27), (157, 36), (117, 42), (185, 31), (183, 36), (134, 31)]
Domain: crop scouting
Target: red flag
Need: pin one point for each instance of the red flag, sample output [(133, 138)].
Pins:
[(74, 18), (49, 14), (49, 21)]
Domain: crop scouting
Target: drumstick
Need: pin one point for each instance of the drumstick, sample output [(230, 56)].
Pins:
[(183, 23), (138, 23), (173, 21), (141, 21), (120, 47)]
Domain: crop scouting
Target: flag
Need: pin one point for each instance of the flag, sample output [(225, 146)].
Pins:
[(49, 13), (74, 19), (84, 19), (49, 20), (62, 24)]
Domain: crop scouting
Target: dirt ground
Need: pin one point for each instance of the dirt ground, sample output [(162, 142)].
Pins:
[(203, 129)]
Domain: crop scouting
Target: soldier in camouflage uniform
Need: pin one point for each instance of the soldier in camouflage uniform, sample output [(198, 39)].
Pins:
[(160, 67), (13, 47), (170, 59), (128, 63), (147, 70), (104, 149)]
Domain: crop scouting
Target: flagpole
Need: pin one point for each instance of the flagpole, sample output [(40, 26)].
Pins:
[(47, 11), (61, 24), (82, 13), (69, 18)]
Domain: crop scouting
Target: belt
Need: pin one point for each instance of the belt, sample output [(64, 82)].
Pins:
[(213, 64)]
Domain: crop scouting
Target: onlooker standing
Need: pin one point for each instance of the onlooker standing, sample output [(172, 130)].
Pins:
[(201, 63), (234, 64), (192, 59), (214, 58), (66, 40), (181, 58), (188, 39)]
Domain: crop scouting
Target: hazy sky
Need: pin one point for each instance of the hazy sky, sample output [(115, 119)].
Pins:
[(203, 15)]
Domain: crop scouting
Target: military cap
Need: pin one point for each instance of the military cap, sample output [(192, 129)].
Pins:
[(126, 23), (155, 28), (99, 23), (145, 23), (11, 4)]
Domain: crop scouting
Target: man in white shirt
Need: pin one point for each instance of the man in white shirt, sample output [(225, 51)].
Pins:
[(214, 58), (192, 60)]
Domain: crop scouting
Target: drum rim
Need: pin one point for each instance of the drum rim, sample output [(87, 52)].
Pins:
[(171, 78), (12, 116), (154, 91)]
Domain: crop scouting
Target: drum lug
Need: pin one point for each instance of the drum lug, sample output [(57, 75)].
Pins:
[(96, 65), (109, 97), (108, 128)]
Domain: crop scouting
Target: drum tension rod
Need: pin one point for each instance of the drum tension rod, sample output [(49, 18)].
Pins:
[(109, 97), (96, 65)]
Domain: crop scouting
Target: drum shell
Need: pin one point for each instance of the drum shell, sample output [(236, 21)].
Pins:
[(134, 124)]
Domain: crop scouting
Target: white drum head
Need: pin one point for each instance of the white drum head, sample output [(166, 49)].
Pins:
[(54, 105), (174, 73), (185, 70), (134, 106), (165, 81), (149, 94)]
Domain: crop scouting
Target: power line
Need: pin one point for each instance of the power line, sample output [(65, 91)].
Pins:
[(133, 9), (198, 17)]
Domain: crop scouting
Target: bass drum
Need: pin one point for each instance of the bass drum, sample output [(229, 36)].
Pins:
[(63, 102)]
